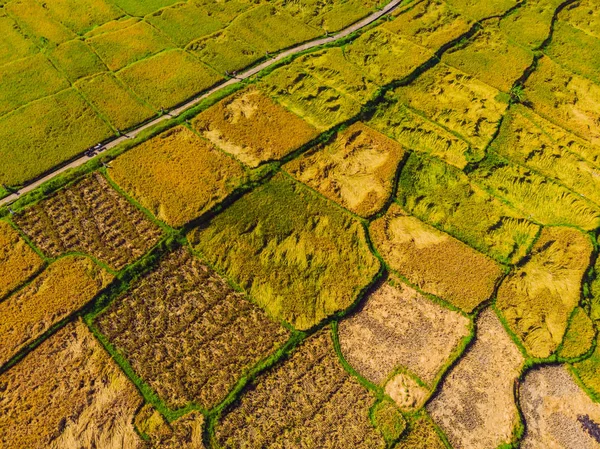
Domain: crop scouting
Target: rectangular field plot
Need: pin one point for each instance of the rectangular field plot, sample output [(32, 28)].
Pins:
[(357, 170), (61, 289), (249, 126), (299, 256), (183, 433), (479, 10), (76, 59), (140, 8), (177, 175), (584, 16), (90, 217), (329, 15), (14, 45), (67, 393), (188, 333), (538, 299), (308, 398), (530, 24), (434, 261), (45, 133), (80, 16), (169, 78), (114, 102), (36, 22), (18, 262), (445, 198)]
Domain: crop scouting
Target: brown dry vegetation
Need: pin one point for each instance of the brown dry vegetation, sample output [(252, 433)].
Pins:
[(308, 401), (357, 169), (90, 217), (408, 394), (183, 433), (64, 287), (538, 298), (399, 327), (177, 175), (188, 333), (558, 414), (475, 406), (299, 256), (436, 262), (253, 128), (18, 261), (68, 393)]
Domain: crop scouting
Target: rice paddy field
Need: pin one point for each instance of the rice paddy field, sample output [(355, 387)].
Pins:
[(389, 240)]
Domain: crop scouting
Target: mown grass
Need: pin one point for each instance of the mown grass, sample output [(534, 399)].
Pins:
[(298, 256), (14, 45), (37, 22), (76, 60)]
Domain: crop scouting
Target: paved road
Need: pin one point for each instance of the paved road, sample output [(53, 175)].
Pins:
[(175, 112)]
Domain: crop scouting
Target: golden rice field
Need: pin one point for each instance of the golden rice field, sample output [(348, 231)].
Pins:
[(389, 241)]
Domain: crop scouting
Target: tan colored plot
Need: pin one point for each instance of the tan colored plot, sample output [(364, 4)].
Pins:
[(357, 170), (18, 262), (399, 327), (63, 288), (253, 128), (558, 414), (538, 298), (476, 404), (308, 399), (408, 394), (183, 433), (177, 175), (68, 393), (436, 262)]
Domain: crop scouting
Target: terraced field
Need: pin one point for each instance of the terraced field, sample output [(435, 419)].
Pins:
[(383, 238)]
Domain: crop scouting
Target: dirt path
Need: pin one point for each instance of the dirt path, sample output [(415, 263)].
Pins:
[(175, 112)]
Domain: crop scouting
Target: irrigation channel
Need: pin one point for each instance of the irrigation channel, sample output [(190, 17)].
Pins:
[(177, 111)]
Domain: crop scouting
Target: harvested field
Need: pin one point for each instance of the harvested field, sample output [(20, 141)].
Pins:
[(90, 217), (580, 335), (187, 333), (36, 22), (421, 435), (18, 262), (408, 393), (558, 414), (356, 170), (385, 56), (444, 197), (566, 99), (81, 16), (299, 257), (308, 399), (177, 175), (436, 262), (457, 101), (399, 327), (430, 23), (76, 60), (538, 298), (68, 393), (184, 433), (249, 126), (490, 57), (479, 10), (120, 107), (169, 78), (475, 406), (63, 288), (530, 24), (65, 125)]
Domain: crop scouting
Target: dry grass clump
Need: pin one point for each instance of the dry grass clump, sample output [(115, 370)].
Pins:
[(91, 217), (309, 400), (120, 107), (26, 80), (329, 15), (253, 128), (567, 99), (188, 333), (14, 44), (444, 197), (408, 394), (357, 169), (475, 406), (436, 262), (80, 16), (125, 46), (42, 134), (530, 24), (183, 433), (177, 175), (431, 23), (385, 56), (299, 256), (64, 287), (35, 21), (490, 57), (18, 262), (558, 414), (169, 78), (478, 10), (399, 327), (458, 102), (76, 59), (539, 296), (68, 393), (579, 336), (421, 435)]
